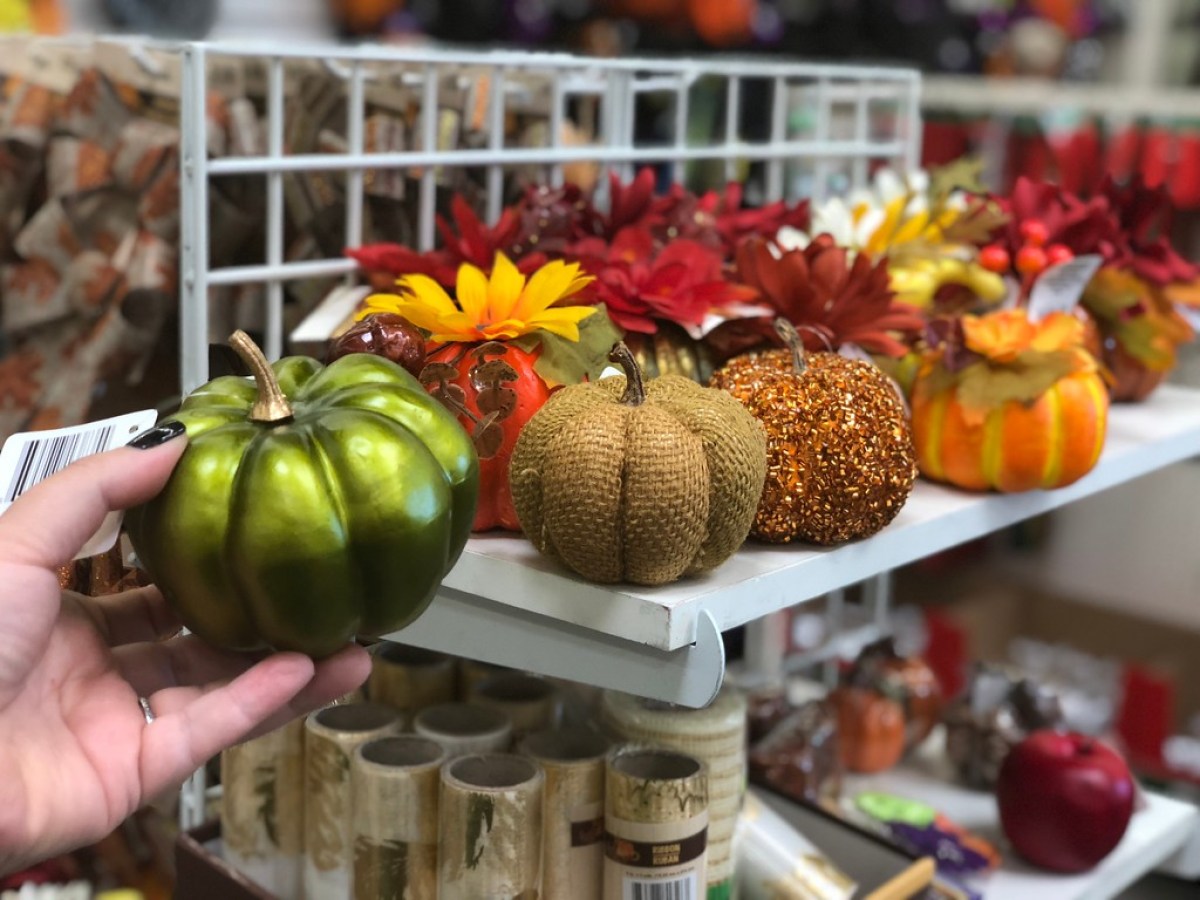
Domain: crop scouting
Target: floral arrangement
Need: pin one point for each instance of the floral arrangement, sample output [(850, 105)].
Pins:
[(921, 273)]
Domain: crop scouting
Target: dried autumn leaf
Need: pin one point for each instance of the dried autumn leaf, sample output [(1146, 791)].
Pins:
[(454, 394), (438, 371), (499, 400), (490, 372), (488, 437)]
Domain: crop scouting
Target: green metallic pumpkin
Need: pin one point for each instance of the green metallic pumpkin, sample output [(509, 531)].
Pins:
[(322, 503)]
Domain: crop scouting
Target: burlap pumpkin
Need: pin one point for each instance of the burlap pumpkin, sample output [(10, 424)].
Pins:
[(625, 480)]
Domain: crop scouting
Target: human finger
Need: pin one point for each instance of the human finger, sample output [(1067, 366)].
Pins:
[(50, 523), (140, 614), (333, 677), (178, 741), (182, 662)]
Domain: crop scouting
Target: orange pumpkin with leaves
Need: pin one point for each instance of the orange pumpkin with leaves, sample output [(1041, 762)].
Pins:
[(1008, 404)]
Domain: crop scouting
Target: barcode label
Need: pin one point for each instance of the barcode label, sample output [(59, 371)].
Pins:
[(676, 889), (29, 458), (41, 459)]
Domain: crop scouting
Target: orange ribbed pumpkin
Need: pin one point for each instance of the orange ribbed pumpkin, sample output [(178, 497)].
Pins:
[(1017, 446)]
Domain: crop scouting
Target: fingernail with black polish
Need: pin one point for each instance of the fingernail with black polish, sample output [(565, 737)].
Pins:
[(157, 436)]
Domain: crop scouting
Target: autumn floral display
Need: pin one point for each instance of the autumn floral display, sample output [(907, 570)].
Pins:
[(1008, 321)]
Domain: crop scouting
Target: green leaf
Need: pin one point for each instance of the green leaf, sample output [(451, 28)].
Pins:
[(964, 174), (977, 224), (570, 362), (983, 386)]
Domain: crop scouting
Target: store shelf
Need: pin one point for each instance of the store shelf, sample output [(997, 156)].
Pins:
[(1034, 96), (1158, 831), (505, 603)]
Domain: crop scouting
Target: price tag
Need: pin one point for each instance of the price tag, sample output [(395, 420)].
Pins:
[(1059, 288), (29, 458)]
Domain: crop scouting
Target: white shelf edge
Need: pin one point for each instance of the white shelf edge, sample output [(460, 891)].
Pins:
[(469, 626), (761, 579)]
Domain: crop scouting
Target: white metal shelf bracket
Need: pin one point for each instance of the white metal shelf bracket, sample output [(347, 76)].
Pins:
[(466, 625)]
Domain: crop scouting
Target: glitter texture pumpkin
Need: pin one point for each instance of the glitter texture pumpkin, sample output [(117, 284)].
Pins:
[(840, 458), (639, 481)]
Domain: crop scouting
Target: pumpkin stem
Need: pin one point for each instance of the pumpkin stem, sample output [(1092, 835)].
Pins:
[(271, 406), (635, 386), (791, 339)]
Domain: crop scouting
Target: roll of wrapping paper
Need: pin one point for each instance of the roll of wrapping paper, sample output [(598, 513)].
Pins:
[(777, 862), (465, 728), (410, 678), (262, 808), (395, 801), (331, 737), (530, 702), (717, 737), (491, 828), (656, 825), (572, 812), (471, 672)]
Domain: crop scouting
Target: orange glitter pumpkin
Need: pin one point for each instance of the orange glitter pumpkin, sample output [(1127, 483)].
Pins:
[(840, 461), (1030, 412)]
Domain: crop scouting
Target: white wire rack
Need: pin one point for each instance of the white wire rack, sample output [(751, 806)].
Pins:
[(826, 127)]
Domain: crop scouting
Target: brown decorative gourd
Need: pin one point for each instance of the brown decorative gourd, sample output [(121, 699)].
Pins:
[(996, 712), (906, 679), (645, 482), (384, 334), (840, 458), (870, 729)]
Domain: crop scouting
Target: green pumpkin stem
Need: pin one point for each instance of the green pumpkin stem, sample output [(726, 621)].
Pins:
[(635, 386), (271, 406), (791, 339)]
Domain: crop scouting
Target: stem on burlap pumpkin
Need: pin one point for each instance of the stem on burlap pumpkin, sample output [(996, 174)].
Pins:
[(635, 386)]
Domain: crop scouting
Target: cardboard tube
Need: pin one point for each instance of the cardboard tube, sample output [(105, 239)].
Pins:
[(331, 737), (656, 824), (572, 811), (395, 789), (465, 728), (410, 678), (262, 808), (491, 828), (529, 701)]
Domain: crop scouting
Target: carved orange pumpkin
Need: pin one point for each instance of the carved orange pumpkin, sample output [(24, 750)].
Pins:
[(870, 728)]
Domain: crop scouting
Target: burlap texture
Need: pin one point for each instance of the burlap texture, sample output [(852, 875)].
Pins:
[(645, 493)]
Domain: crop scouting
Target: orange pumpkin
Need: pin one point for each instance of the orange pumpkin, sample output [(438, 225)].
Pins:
[(1030, 414), (870, 729), (1017, 446)]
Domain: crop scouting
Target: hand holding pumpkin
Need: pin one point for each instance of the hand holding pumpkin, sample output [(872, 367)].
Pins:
[(79, 755)]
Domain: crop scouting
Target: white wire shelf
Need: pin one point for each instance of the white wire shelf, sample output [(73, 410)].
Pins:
[(1157, 832), (505, 603), (1037, 96)]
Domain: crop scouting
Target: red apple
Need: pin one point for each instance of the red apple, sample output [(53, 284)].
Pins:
[(1065, 800)]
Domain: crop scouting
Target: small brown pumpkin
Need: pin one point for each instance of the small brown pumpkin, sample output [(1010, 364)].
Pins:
[(841, 461), (870, 729), (908, 680), (626, 480)]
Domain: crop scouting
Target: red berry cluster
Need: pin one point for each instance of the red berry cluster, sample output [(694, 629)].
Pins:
[(1033, 258)]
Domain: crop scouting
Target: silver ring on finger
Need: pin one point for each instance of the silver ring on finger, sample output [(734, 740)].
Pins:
[(146, 710)]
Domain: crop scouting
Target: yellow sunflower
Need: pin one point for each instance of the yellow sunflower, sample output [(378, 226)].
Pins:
[(501, 307)]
